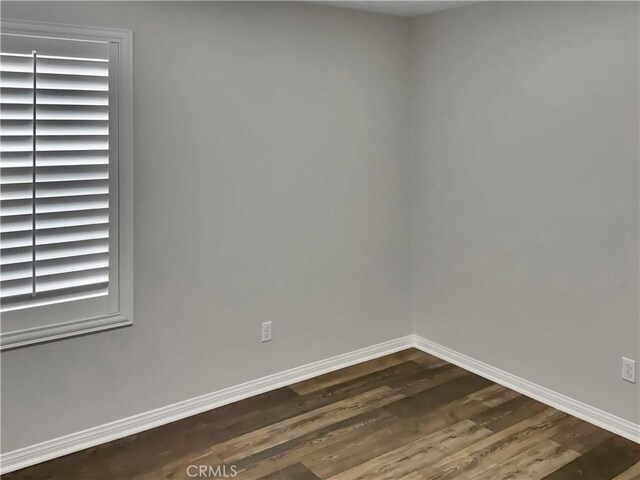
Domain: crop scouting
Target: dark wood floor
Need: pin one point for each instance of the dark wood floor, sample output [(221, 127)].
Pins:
[(406, 416)]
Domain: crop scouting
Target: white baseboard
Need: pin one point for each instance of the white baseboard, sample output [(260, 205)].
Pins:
[(91, 437), (590, 414)]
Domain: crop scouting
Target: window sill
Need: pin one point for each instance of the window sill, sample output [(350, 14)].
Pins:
[(31, 336)]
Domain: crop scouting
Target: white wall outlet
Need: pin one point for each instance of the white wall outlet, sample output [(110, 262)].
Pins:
[(629, 370), (266, 331)]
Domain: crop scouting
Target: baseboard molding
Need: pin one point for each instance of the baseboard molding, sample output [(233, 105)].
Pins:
[(590, 414), (91, 437)]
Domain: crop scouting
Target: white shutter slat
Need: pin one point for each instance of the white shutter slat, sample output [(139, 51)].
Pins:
[(71, 189), (15, 240), (72, 112), (72, 234), (62, 97), (54, 128), (15, 144), (60, 281), (10, 256), (10, 111), (67, 143), (71, 204), (16, 207), (16, 80), (72, 249), (56, 266), (69, 158), (16, 96), (75, 127), (54, 159), (55, 189), (55, 296), (14, 288), (10, 176), (55, 235), (16, 192), (16, 224), (72, 67), (53, 205), (16, 128), (18, 159), (60, 81), (20, 223), (73, 173), (14, 63), (49, 283), (74, 264), (71, 219), (17, 271)]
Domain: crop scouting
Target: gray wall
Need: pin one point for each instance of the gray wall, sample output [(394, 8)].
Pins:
[(525, 191), (273, 183), (271, 166)]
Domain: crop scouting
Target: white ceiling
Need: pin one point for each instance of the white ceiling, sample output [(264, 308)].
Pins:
[(398, 7)]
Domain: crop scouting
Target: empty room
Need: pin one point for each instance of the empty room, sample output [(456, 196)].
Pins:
[(359, 240)]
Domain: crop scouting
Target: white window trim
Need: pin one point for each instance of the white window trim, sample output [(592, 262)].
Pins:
[(124, 316)]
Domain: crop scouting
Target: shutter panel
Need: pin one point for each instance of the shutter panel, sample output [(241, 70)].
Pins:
[(69, 203)]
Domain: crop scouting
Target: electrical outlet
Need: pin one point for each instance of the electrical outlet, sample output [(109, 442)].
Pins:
[(629, 370), (266, 331)]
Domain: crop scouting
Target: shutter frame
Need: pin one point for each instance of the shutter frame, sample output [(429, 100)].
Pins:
[(68, 317)]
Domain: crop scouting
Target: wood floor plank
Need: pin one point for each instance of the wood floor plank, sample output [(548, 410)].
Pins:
[(532, 464), (495, 395), (429, 361), (460, 387), (294, 472), (497, 448), (139, 453), (394, 377), (250, 404), (582, 437), (632, 473), (427, 379), (509, 413), (219, 429), (435, 397), (299, 449), (152, 475), (412, 476), (603, 462), (355, 371), (408, 415), (294, 427), (430, 420), (335, 459), (177, 469), (423, 451), (272, 412), (363, 446)]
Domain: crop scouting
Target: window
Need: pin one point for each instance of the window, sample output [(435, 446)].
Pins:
[(66, 247)]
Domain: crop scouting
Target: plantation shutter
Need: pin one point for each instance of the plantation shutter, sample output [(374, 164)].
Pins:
[(55, 176)]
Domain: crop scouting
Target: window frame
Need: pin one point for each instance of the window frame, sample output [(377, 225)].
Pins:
[(121, 171)]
